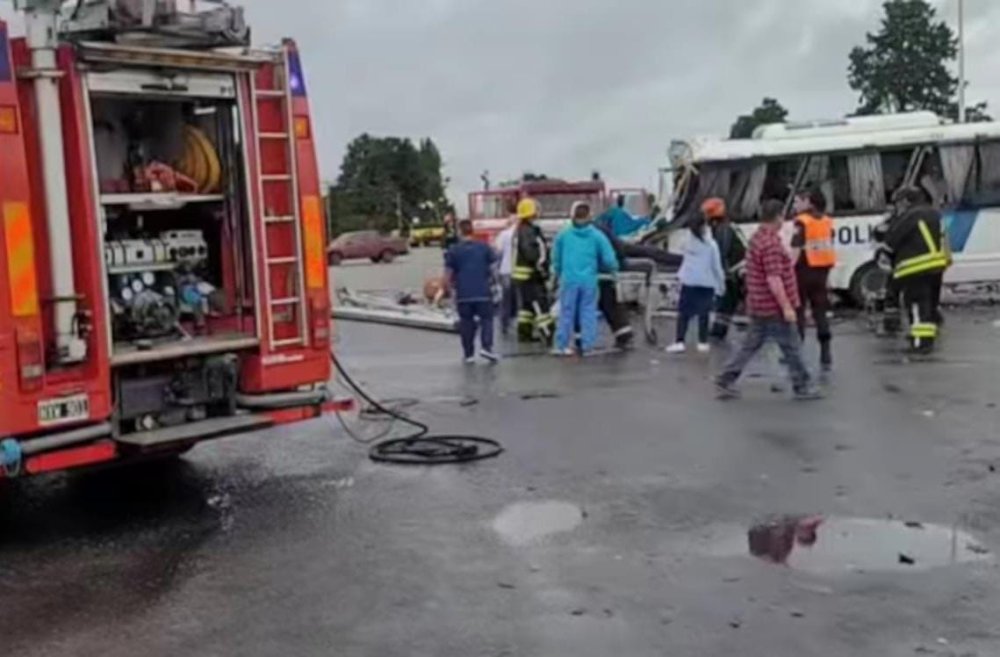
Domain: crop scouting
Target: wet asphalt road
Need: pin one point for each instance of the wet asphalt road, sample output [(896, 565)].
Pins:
[(615, 524)]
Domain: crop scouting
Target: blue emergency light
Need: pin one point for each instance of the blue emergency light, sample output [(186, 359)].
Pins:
[(5, 72), (296, 80)]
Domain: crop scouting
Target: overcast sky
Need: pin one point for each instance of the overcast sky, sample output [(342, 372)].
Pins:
[(567, 87)]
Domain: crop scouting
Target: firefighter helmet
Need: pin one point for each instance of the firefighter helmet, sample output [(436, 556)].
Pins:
[(527, 209)]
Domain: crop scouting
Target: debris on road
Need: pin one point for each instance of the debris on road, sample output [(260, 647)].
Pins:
[(392, 309)]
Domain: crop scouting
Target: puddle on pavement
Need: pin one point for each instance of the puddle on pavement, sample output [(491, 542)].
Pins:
[(834, 546), (526, 523)]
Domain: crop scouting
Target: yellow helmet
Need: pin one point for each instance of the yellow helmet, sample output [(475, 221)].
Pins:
[(527, 209)]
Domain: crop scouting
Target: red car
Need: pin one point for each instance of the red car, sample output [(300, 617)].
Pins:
[(366, 244)]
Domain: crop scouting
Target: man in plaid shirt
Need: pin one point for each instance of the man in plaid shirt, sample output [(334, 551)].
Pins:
[(772, 302)]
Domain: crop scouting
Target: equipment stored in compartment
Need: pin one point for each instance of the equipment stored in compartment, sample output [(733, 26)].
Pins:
[(154, 282)]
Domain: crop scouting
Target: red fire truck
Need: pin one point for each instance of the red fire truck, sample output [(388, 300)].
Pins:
[(491, 210), (162, 239)]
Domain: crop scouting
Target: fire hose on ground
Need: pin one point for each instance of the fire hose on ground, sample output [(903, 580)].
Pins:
[(421, 447)]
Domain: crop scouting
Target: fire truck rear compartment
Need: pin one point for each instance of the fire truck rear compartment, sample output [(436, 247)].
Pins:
[(178, 259), (176, 225)]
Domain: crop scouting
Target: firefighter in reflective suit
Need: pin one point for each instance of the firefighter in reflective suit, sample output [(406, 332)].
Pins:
[(530, 275), (917, 244)]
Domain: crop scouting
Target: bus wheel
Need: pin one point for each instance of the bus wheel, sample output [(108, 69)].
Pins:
[(867, 282)]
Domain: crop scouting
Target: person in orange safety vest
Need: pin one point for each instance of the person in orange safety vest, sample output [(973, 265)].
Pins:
[(814, 244)]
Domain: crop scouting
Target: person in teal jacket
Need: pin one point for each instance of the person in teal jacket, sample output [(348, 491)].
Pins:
[(618, 220), (580, 253)]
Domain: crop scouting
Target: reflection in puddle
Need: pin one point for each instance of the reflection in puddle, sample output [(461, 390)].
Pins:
[(831, 546), (529, 522)]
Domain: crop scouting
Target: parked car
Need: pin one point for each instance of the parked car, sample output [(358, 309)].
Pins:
[(425, 236), (366, 244)]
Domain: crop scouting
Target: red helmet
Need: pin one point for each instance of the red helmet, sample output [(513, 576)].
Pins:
[(714, 208)]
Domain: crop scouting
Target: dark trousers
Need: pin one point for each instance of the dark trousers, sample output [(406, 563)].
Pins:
[(534, 314), (761, 331), (891, 319), (814, 290), (920, 295), (938, 286), (508, 304), (473, 316), (614, 314), (694, 302), (726, 307)]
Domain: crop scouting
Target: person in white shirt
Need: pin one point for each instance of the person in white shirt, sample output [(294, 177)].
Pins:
[(503, 243)]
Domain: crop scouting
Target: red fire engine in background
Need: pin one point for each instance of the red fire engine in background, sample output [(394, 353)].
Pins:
[(491, 210), (162, 239)]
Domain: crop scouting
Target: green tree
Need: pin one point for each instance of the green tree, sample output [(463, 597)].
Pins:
[(770, 111), (386, 181), (905, 66)]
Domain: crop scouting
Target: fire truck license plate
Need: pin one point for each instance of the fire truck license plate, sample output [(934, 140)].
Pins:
[(53, 412)]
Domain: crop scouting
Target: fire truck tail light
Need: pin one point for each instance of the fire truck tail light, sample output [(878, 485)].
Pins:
[(20, 260), (30, 361), (302, 127), (8, 120), (320, 314), (312, 229)]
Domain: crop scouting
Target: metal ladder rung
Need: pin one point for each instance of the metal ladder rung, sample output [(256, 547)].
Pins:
[(280, 219), (274, 135), (276, 177), (288, 260), (286, 302), (289, 342), (270, 93)]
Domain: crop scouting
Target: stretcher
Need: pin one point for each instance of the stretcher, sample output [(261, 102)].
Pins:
[(656, 291)]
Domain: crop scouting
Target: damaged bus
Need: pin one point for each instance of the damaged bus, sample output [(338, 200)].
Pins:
[(859, 163)]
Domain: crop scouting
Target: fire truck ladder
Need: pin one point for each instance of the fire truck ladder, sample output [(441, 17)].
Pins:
[(286, 183)]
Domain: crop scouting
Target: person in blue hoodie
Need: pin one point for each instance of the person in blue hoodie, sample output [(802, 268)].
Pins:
[(580, 253), (620, 222), (702, 279)]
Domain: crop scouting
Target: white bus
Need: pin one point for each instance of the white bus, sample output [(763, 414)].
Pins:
[(859, 163)]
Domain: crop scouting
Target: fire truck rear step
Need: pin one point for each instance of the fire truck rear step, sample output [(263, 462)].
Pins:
[(205, 430), (131, 355)]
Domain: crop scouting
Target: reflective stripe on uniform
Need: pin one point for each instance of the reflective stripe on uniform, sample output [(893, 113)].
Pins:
[(921, 265), (522, 274), (526, 318), (936, 258), (543, 321), (924, 331)]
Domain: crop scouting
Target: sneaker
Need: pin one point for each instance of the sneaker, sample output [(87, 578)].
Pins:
[(471, 360), (563, 353), (808, 394), (726, 391), (489, 357), (704, 348), (678, 348)]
